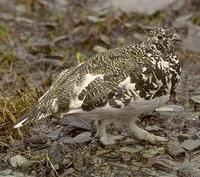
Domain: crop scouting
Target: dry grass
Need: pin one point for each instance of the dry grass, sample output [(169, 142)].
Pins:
[(11, 108)]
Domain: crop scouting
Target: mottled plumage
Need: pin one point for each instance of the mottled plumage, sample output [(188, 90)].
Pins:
[(116, 85)]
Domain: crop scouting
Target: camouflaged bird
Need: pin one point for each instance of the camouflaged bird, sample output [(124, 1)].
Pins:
[(116, 86)]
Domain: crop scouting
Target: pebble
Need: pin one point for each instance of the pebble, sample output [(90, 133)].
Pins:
[(73, 121), (147, 7), (131, 150), (104, 39), (183, 137), (99, 49), (164, 164), (175, 150), (126, 157), (41, 46), (190, 144), (83, 137), (189, 170), (18, 161), (55, 134), (152, 152), (11, 173), (195, 101), (170, 108)]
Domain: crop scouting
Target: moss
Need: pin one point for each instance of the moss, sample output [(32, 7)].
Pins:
[(58, 18), (4, 32), (80, 57), (196, 19), (155, 18), (6, 58)]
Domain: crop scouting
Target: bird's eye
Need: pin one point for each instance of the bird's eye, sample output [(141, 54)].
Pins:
[(159, 37)]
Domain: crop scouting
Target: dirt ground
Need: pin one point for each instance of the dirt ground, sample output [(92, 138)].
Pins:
[(40, 38)]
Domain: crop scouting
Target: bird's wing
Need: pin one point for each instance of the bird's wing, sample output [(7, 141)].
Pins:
[(106, 90)]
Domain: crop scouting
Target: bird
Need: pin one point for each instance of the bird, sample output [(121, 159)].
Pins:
[(116, 86)]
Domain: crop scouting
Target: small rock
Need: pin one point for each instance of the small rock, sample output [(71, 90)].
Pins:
[(152, 152), (120, 166), (5, 172), (43, 63), (56, 166), (170, 108), (101, 152), (18, 161), (21, 9), (195, 101), (121, 40), (196, 159), (191, 145), (192, 41), (66, 140), (49, 25), (169, 175), (38, 139), (93, 19), (67, 172), (11, 173), (131, 150), (183, 137), (83, 137), (78, 160), (189, 170), (56, 155), (178, 4), (61, 38), (99, 8), (104, 39), (24, 20), (153, 128), (129, 141), (164, 164), (174, 149), (147, 7), (99, 49), (77, 122), (41, 46), (139, 37), (21, 53), (126, 157), (182, 21), (55, 134), (56, 56)]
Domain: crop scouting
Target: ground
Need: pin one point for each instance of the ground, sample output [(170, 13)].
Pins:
[(38, 39)]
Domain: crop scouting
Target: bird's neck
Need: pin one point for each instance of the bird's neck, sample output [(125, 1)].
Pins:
[(152, 48)]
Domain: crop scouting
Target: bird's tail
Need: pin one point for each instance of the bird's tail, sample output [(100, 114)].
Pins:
[(27, 117)]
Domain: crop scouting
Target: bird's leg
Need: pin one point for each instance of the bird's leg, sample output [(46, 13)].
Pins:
[(97, 124), (105, 138), (143, 134)]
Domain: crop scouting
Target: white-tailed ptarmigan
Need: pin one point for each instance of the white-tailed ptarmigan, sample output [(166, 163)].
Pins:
[(116, 85)]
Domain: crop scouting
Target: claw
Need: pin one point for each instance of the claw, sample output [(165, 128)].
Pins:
[(110, 139), (153, 138), (144, 135)]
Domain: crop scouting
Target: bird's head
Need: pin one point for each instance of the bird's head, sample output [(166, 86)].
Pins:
[(162, 39)]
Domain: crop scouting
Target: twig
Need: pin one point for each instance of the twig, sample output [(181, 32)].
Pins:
[(52, 165)]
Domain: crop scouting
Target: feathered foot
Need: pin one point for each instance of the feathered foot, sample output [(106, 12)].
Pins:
[(105, 138), (144, 135)]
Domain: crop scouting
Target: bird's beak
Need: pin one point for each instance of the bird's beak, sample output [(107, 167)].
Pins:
[(176, 38)]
